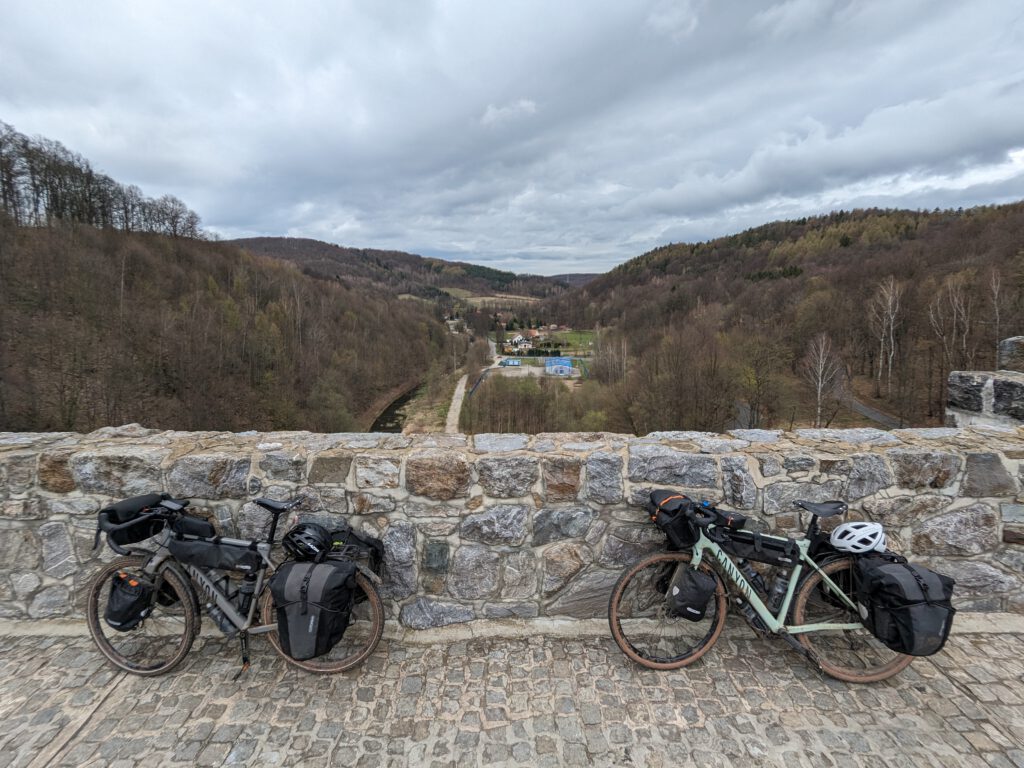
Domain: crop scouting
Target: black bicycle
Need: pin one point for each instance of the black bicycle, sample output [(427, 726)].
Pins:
[(192, 568)]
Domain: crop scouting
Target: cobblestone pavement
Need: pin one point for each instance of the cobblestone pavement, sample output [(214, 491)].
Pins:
[(537, 702)]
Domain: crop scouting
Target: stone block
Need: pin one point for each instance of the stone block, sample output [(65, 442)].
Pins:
[(604, 477), (17, 473), (330, 469), (507, 477), (738, 483), (54, 472), (561, 562), (436, 475), (586, 597), (799, 463), (501, 524), (371, 504), (399, 560), (497, 442), (869, 474), (508, 610), (561, 478), (519, 575), (661, 464), (625, 544), (426, 613), (119, 471), (779, 497), (986, 476), (284, 466), (1010, 354), (1013, 534), (965, 390), (769, 464), (19, 550), (58, 553), (50, 602), (1012, 513), (967, 531), (553, 524), (976, 578), (1008, 395), (905, 510), (924, 469), (474, 572), (209, 476), (435, 565), (377, 471)]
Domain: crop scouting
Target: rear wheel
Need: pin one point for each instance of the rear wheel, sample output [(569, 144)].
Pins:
[(644, 627), (852, 655), (360, 639), (161, 640)]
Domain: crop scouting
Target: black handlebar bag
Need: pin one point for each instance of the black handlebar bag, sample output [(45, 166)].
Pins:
[(314, 604), (905, 606)]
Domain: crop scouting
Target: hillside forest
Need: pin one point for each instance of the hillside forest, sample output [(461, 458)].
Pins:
[(112, 314), (879, 305)]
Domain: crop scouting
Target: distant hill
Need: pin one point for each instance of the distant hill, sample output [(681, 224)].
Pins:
[(576, 280), (401, 273)]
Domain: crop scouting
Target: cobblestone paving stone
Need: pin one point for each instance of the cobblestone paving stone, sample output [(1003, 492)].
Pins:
[(538, 702)]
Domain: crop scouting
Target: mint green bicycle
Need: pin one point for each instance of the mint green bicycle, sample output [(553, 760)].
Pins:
[(810, 604)]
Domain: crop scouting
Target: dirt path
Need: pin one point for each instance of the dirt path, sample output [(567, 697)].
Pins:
[(452, 424)]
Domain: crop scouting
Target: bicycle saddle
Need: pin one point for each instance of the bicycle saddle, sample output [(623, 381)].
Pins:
[(276, 506), (824, 508)]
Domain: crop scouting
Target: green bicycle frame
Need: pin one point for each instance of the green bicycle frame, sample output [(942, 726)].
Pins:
[(775, 624)]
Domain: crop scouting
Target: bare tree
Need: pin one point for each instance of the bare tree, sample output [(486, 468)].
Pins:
[(995, 284), (884, 317), (823, 370), (950, 316)]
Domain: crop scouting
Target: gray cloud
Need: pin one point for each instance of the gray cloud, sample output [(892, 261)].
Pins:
[(542, 137)]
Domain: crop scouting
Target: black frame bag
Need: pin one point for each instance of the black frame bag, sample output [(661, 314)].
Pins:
[(907, 607), (215, 554), (689, 592), (130, 601), (759, 547), (314, 605)]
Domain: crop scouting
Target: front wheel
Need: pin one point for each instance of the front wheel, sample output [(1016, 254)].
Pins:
[(852, 655), (644, 627), (161, 640), (360, 639)]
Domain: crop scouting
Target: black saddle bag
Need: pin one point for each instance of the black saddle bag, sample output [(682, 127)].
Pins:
[(314, 604), (907, 607), (361, 547), (130, 601), (689, 592)]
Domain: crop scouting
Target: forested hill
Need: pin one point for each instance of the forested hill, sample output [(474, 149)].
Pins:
[(400, 273), (102, 327), (902, 297), (771, 265)]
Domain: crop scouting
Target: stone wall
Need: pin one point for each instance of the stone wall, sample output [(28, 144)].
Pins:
[(989, 397), (497, 526)]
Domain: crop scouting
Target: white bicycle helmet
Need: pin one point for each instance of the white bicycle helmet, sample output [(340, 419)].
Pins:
[(858, 537)]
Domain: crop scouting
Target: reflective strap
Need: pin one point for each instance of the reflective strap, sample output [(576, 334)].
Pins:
[(304, 589)]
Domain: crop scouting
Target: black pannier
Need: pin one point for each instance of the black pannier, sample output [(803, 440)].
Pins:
[(907, 607), (215, 554), (314, 603), (130, 601), (127, 510), (689, 592), (667, 510), (759, 547)]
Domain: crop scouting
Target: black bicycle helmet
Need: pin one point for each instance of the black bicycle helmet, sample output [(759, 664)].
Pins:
[(307, 541)]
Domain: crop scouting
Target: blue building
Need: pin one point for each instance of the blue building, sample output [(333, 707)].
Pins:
[(558, 366)]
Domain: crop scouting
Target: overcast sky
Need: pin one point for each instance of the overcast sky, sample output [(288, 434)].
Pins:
[(541, 137)]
